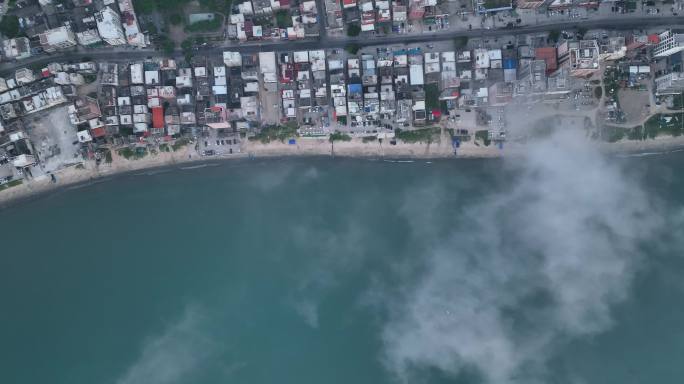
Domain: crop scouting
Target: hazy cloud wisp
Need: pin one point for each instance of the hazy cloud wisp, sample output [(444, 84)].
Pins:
[(171, 356), (524, 268)]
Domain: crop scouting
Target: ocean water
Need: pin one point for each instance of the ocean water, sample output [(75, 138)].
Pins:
[(560, 268)]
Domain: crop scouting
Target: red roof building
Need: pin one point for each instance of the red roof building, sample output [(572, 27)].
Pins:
[(157, 117), (548, 54), (98, 132)]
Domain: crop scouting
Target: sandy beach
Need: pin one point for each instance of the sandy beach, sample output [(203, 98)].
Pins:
[(89, 170)]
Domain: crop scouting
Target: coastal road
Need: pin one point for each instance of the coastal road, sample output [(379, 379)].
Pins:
[(324, 41)]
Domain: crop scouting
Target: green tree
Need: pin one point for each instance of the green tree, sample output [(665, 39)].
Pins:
[(461, 42), (222, 6), (554, 35), (598, 92), (353, 30), (144, 6), (167, 45), (186, 46), (9, 26), (352, 48), (582, 31), (176, 19), (339, 136), (283, 19), (151, 28)]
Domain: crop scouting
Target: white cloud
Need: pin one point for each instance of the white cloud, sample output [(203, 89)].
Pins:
[(172, 356), (523, 269)]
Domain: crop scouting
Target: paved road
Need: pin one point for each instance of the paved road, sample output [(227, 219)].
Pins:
[(324, 41)]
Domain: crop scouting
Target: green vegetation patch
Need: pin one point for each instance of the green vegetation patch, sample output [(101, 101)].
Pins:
[(659, 123), (283, 18), (483, 135), (9, 26), (369, 139), (431, 96), (613, 134), (144, 6), (554, 35), (167, 45), (339, 136), (176, 19), (180, 143), (221, 6), (353, 30), (461, 42), (494, 4), (108, 156), (656, 125), (275, 132), (352, 48), (206, 25), (598, 92), (424, 135), (133, 153), (11, 184)]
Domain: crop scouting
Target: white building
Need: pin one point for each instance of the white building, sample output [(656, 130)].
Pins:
[(670, 84), (57, 38), (670, 43), (109, 26), (88, 37), (416, 74), (134, 36), (17, 48), (267, 66), (232, 59), (24, 76), (584, 58)]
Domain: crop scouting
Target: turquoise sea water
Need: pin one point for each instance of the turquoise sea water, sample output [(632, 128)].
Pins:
[(313, 271)]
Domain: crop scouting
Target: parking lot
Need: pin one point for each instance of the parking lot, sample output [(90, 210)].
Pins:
[(217, 142)]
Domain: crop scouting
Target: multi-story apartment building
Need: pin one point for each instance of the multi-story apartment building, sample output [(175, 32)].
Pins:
[(670, 43), (109, 26), (670, 84), (57, 38)]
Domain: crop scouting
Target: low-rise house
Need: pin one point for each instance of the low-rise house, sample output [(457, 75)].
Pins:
[(109, 74), (367, 15), (50, 97), (267, 68), (137, 73), (184, 78)]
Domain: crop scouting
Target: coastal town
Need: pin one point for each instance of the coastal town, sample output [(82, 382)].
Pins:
[(95, 84)]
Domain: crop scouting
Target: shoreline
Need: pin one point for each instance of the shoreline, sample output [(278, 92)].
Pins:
[(184, 158)]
